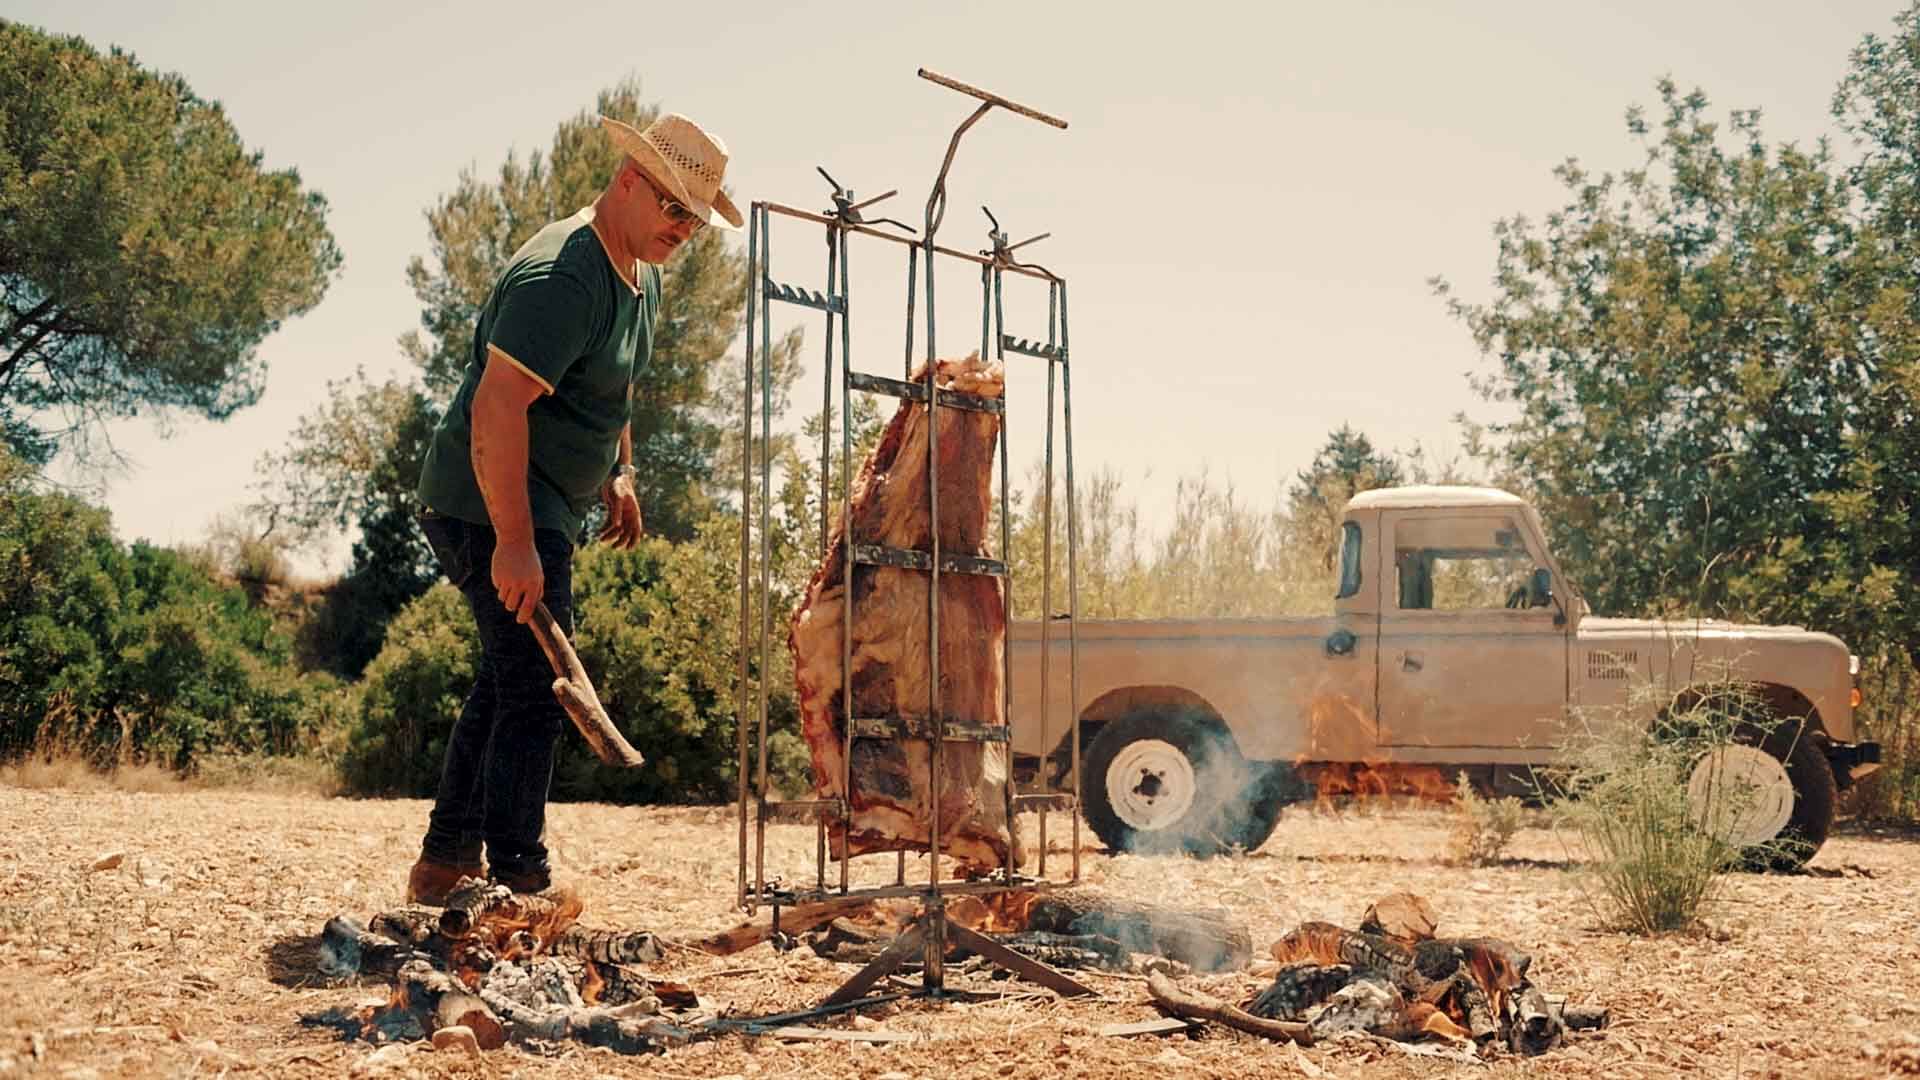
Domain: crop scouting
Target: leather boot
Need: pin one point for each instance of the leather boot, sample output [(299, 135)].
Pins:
[(431, 880), (529, 881)]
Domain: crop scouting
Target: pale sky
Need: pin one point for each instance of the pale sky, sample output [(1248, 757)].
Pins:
[(1247, 205)]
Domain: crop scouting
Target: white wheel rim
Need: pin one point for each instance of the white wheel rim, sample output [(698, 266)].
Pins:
[(1742, 794), (1150, 784)]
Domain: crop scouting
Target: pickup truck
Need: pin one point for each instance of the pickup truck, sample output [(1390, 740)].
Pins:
[(1456, 646)]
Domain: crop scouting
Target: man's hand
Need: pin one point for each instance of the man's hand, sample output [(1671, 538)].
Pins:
[(623, 527), (517, 576)]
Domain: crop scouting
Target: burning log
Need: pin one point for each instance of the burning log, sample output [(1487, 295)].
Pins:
[(498, 963), (623, 1029), (607, 946), (891, 796), (1412, 984), (444, 1002), (1206, 940)]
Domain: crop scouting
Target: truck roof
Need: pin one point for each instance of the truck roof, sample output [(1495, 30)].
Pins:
[(1447, 495)]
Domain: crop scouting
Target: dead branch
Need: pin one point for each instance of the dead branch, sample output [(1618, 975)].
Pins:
[(1192, 1005), (576, 694)]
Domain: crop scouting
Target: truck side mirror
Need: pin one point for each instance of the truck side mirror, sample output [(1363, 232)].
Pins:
[(1540, 590)]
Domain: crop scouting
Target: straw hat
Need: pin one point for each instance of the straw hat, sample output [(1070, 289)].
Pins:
[(684, 159)]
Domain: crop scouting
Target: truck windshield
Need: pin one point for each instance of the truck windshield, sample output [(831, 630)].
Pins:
[(1463, 563), (1349, 561)]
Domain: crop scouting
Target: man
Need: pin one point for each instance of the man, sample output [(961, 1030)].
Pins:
[(538, 428)]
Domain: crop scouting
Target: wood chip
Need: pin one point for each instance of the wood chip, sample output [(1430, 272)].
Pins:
[(1166, 1025)]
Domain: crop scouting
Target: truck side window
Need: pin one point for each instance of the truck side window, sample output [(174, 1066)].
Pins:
[(1460, 563), (1349, 561)]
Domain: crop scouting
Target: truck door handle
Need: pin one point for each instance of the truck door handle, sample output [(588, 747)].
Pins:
[(1411, 662), (1340, 643)]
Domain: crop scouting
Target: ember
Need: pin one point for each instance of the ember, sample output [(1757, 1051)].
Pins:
[(1393, 978), (503, 965)]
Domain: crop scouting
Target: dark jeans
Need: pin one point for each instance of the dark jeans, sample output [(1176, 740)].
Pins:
[(499, 763)]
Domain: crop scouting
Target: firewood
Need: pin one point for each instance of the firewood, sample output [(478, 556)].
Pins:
[(1068, 950), (1209, 940), (1402, 917), (1193, 1005), (793, 920), (617, 1029), (1535, 1029), (347, 948), (443, 1002), (414, 924), (608, 946), (470, 901), (574, 690)]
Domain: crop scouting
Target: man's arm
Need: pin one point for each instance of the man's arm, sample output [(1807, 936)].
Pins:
[(623, 526), (500, 465)]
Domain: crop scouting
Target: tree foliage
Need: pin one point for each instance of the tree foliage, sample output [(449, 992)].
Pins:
[(137, 651), (1712, 361), (1346, 466), (1711, 357), (144, 251)]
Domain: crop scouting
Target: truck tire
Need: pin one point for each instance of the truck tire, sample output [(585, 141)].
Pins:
[(1157, 782), (1791, 812)]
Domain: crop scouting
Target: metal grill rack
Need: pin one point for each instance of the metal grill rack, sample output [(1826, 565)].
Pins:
[(929, 933)]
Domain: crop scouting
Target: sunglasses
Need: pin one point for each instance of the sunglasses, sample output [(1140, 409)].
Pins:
[(676, 212)]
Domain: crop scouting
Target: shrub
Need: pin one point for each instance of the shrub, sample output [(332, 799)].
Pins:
[(1482, 827), (405, 705), (1654, 859), (137, 652)]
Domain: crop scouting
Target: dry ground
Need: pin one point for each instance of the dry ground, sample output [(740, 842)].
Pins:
[(190, 956)]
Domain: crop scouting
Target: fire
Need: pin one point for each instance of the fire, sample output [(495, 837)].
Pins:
[(1375, 779), (998, 913)]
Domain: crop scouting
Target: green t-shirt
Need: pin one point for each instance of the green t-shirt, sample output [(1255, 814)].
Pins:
[(562, 314)]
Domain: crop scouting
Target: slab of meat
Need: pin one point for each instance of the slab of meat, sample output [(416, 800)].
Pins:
[(891, 796)]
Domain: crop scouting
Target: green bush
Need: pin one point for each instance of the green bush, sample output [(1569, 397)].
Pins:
[(1654, 857), (147, 656), (406, 703)]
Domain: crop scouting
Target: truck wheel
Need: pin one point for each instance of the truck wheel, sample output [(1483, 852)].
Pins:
[(1790, 809), (1174, 782)]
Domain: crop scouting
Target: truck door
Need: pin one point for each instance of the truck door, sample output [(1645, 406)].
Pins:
[(1470, 654)]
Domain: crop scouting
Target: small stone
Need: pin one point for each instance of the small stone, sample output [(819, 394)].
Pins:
[(110, 861), (456, 1037)]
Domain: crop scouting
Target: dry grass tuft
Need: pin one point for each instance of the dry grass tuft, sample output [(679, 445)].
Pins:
[(1482, 827)]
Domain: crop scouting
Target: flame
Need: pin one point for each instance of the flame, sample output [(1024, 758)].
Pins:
[(592, 983), (1375, 780), (1311, 942), (996, 913)]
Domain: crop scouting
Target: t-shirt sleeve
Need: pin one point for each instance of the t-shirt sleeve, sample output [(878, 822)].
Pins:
[(543, 326)]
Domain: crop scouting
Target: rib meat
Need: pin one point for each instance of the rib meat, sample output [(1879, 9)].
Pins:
[(891, 797)]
